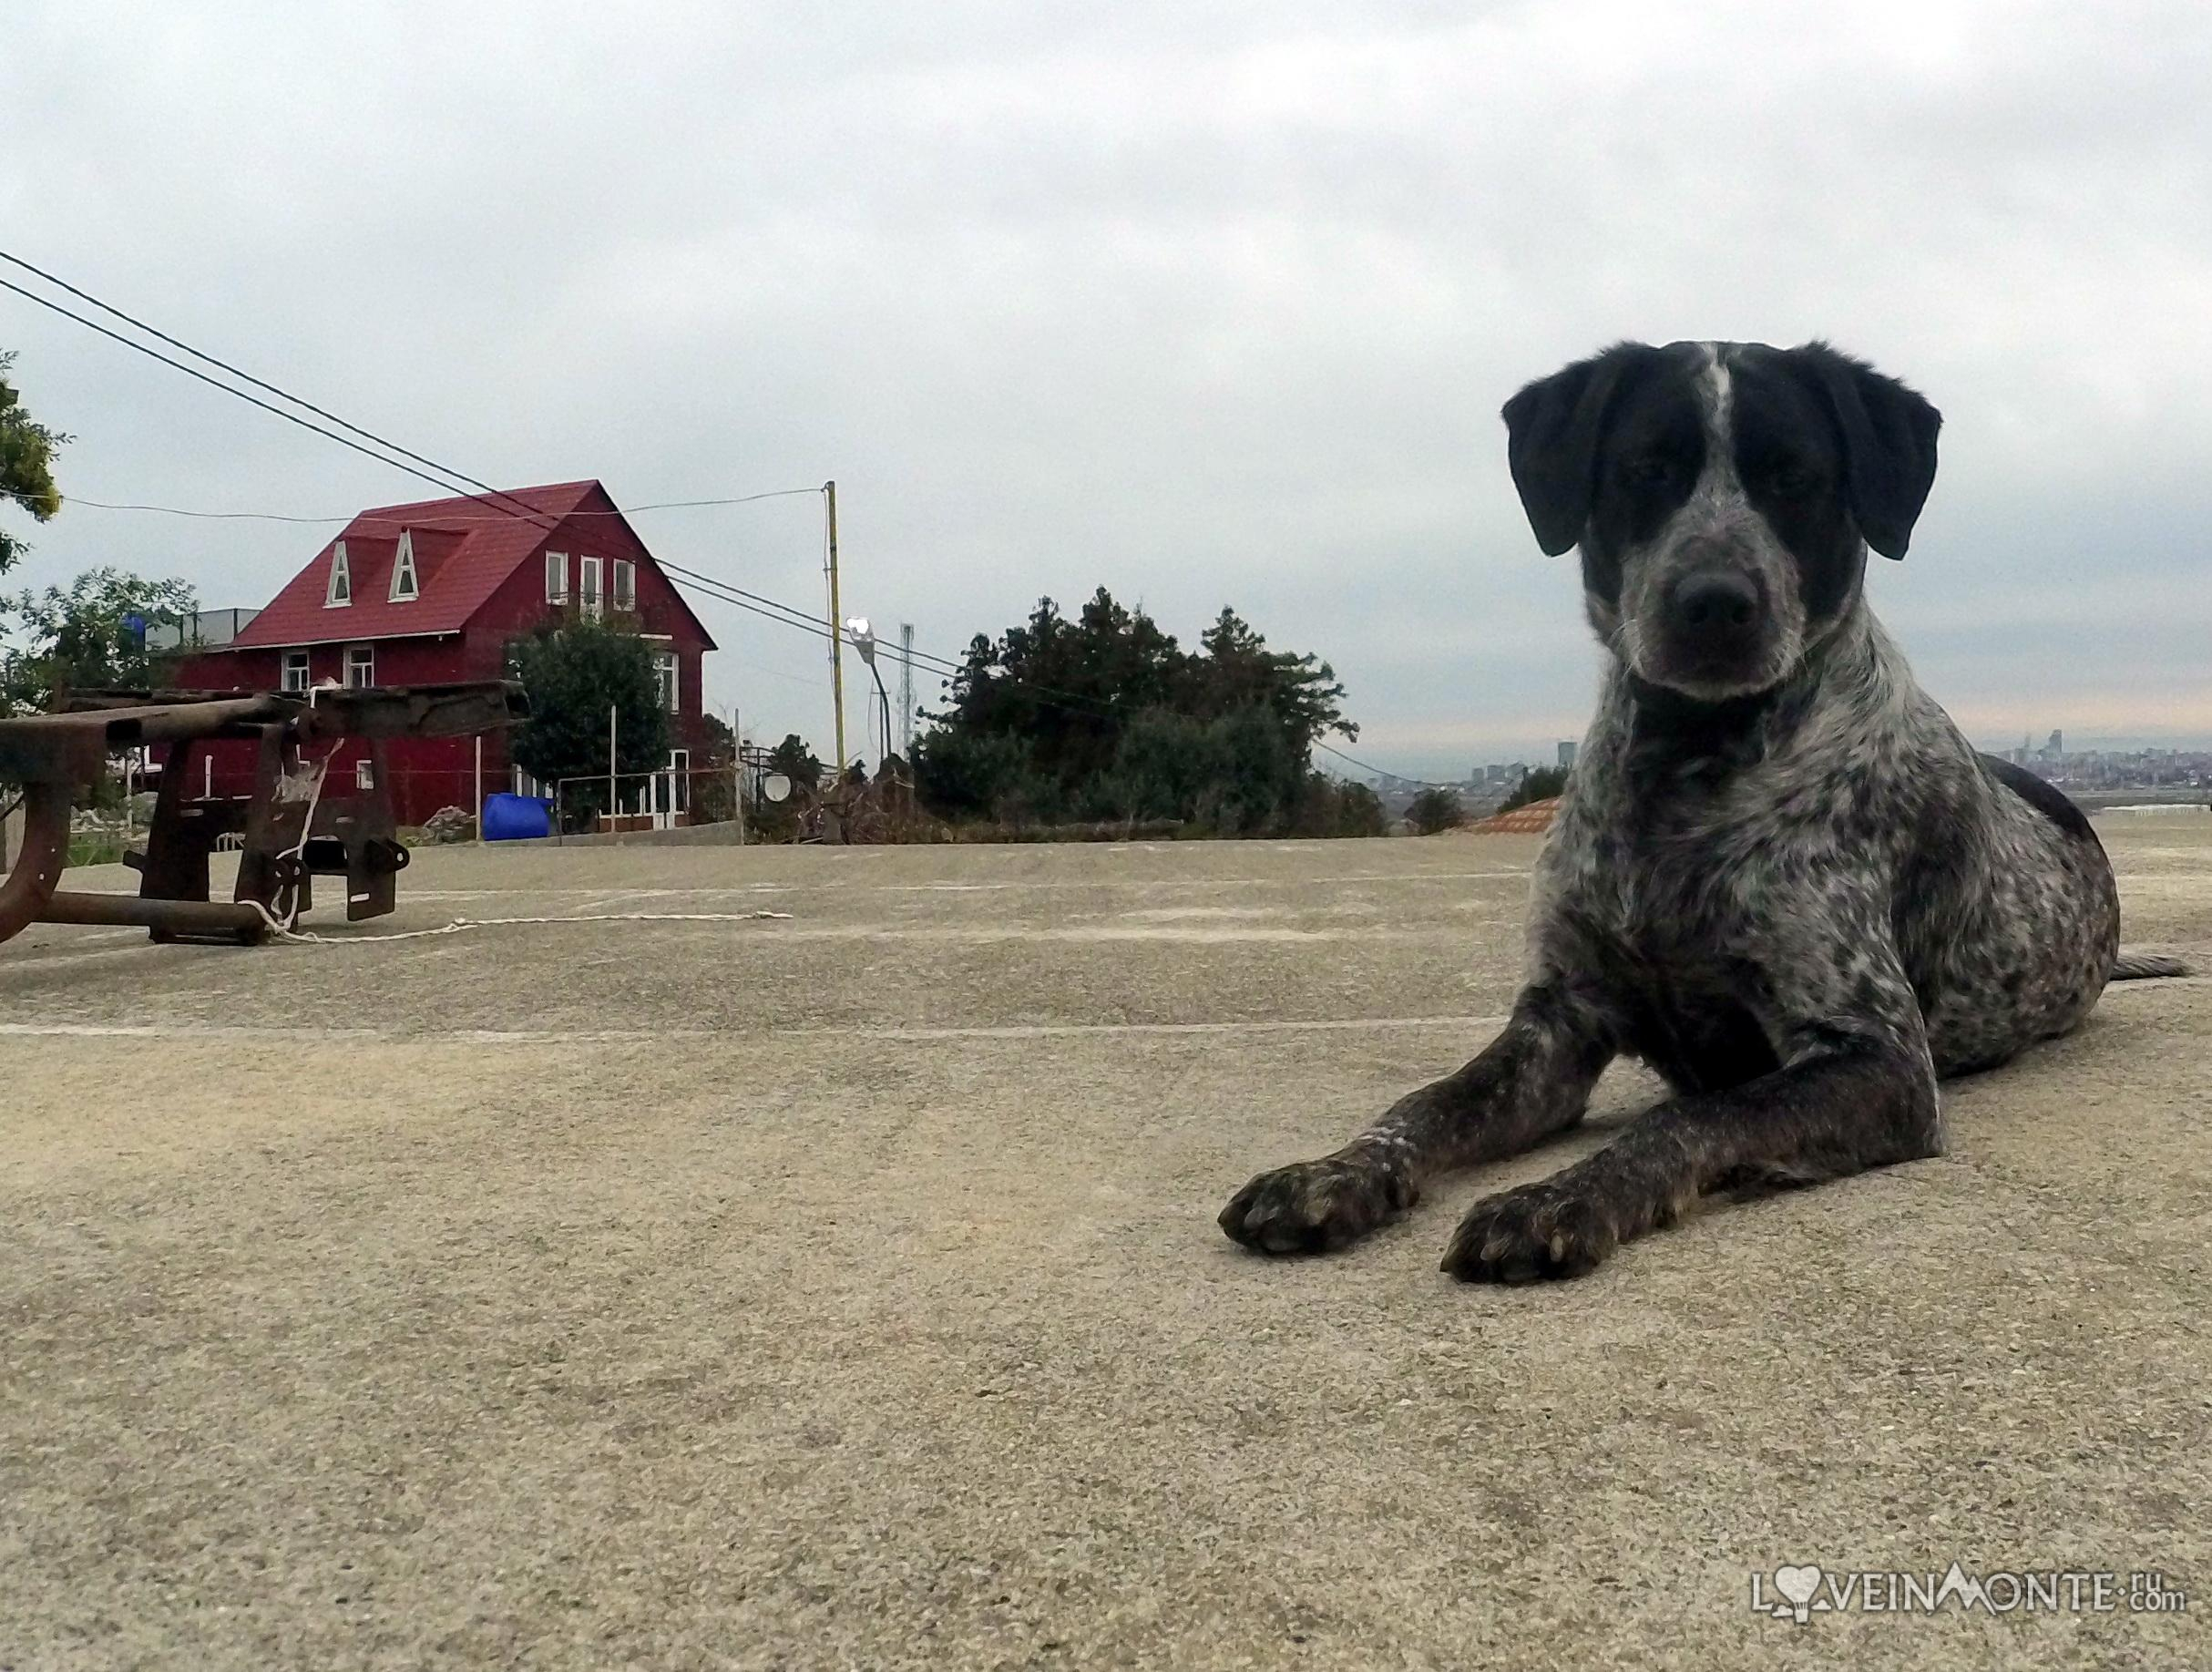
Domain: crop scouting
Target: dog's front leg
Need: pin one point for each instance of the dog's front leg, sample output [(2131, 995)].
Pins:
[(1847, 1108), (1532, 1080)]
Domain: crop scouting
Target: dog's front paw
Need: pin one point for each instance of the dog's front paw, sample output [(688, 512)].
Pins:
[(1316, 1206), (1542, 1230)]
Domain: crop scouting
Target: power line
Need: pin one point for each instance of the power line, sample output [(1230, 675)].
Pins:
[(783, 615), (283, 394), (1378, 771), (214, 383), (504, 515)]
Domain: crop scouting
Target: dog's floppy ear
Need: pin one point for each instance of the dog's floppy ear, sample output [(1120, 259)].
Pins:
[(1888, 444), (1551, 430)]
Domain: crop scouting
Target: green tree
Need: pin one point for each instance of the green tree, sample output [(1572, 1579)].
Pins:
[(1335, 807), (26, 464), (1435, 809), (1104, 716), (573, 673), (721, 741), (1238, 670), (87, 636), (1537, 784), (796, 761)]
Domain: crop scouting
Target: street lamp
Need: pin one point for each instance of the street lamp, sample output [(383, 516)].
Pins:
[(863, 636)]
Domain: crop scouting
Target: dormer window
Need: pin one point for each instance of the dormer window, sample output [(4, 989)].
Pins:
[(341, 591), (405, 589)]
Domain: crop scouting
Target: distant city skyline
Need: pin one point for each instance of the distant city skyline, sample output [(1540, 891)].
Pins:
[(1443, 769)]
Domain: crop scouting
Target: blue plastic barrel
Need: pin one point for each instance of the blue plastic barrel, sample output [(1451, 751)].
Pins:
[(515, 818)]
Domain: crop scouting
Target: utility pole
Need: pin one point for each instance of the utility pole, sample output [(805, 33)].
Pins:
[(837, 625), (905, 690), (611, 711)]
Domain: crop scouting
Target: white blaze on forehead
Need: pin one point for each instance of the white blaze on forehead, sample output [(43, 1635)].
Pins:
[(1717, 394)]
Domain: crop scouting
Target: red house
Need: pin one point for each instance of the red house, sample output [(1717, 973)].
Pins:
[(422, 594)]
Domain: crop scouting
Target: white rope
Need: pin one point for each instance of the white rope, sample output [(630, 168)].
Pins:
[(460, 925), (298, 852)]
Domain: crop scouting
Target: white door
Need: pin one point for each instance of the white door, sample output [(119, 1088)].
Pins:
[(672, 790)]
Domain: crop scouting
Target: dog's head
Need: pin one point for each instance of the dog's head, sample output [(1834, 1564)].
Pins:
[(1724, 496)]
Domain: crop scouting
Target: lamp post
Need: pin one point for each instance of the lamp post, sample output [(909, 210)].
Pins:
[(864, 640)]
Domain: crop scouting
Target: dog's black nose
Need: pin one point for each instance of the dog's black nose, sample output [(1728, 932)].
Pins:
[(1713, 607)]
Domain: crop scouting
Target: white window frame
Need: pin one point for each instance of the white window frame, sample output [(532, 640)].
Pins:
[(668, 672), (360, 659), (557, 580), (589, 598), (624, 595), (365, 774), (298, 672), (680, 780), (340, 593), (403, 570)]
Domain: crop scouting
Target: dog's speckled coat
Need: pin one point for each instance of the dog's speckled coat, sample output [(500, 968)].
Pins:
[(1779, 874)]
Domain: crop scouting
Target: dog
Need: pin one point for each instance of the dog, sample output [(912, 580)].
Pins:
[(1778, 874)]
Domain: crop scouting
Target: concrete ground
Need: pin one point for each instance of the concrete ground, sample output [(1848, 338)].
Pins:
[(843, 1290)]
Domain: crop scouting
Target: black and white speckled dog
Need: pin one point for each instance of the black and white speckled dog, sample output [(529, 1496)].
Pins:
[(1778, 875)]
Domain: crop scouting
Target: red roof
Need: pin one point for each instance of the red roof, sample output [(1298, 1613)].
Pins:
[(1531, 818), (464, 550)]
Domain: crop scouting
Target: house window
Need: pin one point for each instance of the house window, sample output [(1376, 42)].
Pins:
[(556, 578), (588, 586), (359, 666), (625, 586), (365, 775), (665, 666), (295, 670), (405, 589), (341, 591), (679, 780)]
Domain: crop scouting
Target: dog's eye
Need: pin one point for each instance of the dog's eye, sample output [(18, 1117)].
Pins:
[(1792, 479), (1649, 471)]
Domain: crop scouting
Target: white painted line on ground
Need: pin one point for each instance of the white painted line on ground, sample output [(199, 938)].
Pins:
[(188, 1031), (1049, 1029), (599, 1036), (1067, 886)]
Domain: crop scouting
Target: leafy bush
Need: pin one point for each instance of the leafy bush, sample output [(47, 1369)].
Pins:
[(1538, 783), (1435, 809)]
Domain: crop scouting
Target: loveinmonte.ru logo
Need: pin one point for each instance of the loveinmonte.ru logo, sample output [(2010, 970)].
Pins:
[(1798, 1592)]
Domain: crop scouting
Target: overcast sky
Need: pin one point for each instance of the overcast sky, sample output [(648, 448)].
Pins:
[(1208, 303)]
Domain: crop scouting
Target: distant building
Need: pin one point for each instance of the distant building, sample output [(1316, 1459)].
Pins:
[(1566, 757), (2057, 746)]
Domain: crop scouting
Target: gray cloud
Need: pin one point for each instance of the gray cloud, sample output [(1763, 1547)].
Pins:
[(1207, 305)]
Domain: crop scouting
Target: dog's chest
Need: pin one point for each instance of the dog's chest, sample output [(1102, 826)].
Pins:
[(1682, 965), (1704, 879)]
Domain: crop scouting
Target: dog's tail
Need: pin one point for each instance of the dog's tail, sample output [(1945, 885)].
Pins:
[(2147, 967)]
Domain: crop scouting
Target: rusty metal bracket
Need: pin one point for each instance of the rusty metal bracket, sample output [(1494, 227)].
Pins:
[(294, 827)]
